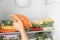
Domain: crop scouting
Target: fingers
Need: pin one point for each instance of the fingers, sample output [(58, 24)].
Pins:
[(15, 18)]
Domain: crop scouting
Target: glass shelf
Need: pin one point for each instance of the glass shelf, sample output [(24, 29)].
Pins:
[(17, 33)]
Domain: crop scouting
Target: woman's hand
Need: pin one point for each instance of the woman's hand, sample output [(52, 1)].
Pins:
[(18, 25)]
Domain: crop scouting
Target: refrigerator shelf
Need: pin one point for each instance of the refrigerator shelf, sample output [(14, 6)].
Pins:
[(17, 33)]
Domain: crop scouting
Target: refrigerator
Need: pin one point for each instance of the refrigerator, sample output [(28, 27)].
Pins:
[(38, 9)]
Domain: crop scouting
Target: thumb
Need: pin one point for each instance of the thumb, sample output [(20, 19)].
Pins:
[(15, 18)]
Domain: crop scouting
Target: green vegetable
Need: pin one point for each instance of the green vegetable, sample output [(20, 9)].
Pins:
[(6, 22), (27, 29), (36, 25)]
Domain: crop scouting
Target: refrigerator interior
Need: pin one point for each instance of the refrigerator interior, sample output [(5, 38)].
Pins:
[(38, 9)]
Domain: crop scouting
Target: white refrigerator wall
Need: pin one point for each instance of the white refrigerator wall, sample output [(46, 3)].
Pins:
[(35, 10), (53, 11)]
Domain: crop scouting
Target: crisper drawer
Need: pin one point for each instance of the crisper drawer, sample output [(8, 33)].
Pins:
[(10, 37)]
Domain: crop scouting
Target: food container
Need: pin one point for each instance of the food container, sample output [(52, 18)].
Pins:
[(11, 37)]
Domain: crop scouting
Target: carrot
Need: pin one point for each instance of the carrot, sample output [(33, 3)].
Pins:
[(26, 22)]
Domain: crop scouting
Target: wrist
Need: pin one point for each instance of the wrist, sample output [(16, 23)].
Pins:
[(22, 30)]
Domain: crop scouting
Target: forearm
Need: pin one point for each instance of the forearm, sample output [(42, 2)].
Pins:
[(20, 27), (24, 35)]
